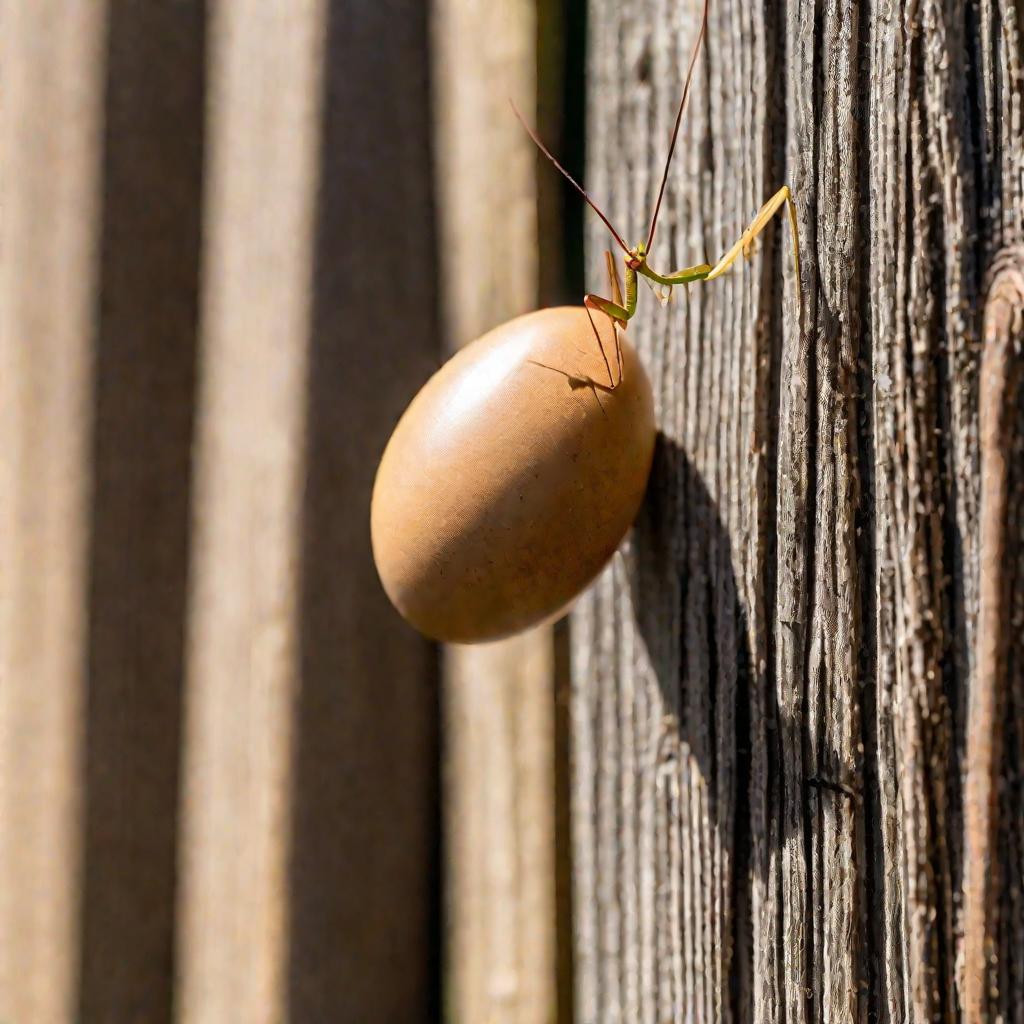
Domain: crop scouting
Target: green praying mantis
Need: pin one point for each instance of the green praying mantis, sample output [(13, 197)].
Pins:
[(635, 258)]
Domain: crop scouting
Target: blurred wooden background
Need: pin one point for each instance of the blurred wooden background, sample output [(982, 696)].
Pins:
[(220, 749), (235, 237)]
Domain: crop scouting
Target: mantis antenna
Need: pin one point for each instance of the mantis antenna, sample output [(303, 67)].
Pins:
[(620, 312), (568, 177), (668, 159), (679, 121)]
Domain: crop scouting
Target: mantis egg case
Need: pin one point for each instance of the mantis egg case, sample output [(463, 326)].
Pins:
[(512, 477)]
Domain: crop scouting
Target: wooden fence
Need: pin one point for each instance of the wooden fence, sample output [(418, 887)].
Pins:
[(219, 746), (235, 237)]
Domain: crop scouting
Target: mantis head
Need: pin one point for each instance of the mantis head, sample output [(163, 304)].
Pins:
[(637, 256)]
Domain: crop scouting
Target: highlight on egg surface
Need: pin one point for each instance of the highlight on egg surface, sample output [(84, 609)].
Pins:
[(512, 477)]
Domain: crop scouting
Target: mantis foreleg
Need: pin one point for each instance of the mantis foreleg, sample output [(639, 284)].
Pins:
[(616, 310), (620, 312), (613, 276), (616, 287)]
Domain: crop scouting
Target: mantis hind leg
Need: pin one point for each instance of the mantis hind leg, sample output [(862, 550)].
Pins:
[(757, 225), (616, 286)]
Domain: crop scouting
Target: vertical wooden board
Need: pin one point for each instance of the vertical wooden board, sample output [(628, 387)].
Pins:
[(263, 130), (364, 871), (310, 842), (1000, 50), (924, 283), (52, 83), (825, 174), (848, 523), (485, 55), (500, 791), (671, 662), (501, 958)]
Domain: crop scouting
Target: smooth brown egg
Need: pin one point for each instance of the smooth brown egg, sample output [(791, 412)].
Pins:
[(511, 479)]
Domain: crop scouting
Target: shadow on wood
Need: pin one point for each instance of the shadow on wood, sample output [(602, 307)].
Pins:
[(146, 331), (364, 875), (685, 573)]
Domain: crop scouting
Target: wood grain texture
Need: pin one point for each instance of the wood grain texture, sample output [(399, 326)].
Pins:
[(999, 405), (770, 681)]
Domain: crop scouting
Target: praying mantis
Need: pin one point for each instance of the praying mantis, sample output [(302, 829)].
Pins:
[(620, 311)]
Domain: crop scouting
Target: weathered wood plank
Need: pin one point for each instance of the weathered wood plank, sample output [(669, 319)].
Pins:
[(500, 714), (309, 847), (52, 144), (264, 110), (308, 860), (770, 680)]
